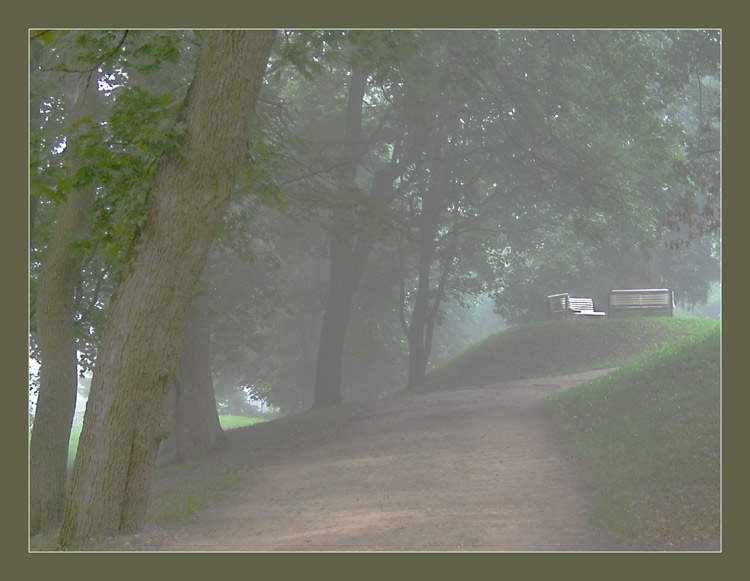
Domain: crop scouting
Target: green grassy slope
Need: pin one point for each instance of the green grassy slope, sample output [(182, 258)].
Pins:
[(559, 347), (648, 436)]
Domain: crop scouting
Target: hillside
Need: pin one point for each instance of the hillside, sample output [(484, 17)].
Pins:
[(550, 348), (649, 439), (340, 477)]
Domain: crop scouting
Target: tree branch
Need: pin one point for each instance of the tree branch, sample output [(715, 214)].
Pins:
[(97, 65)]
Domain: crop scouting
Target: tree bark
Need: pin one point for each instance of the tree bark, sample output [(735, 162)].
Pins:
[(191, 405), (426, 322), (421, 326), (346, 260), (418, 355), (191, 187), (55, 312), (653, 273), (346, 274)]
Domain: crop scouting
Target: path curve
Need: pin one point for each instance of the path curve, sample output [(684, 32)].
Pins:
[(479, 469)]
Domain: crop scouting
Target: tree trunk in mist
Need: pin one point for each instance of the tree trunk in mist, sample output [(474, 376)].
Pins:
[(422, 329), (653, 274), (125, 417), (416, 331), (346, 260), (350, 241), (346, 273), (55, 312), (191, 406)]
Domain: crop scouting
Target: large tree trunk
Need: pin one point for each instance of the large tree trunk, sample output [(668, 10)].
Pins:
[(421, 327), (346, 273), (346, 259), (191, 187), (58, 373), (191, 405)]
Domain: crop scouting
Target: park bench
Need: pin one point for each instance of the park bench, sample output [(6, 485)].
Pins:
[(562, 305), (641, 302)]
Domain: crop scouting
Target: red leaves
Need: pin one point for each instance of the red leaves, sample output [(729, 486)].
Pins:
[(701, 222)]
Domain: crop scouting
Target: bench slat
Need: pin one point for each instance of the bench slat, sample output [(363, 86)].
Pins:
[(644, 298), (653, 301)]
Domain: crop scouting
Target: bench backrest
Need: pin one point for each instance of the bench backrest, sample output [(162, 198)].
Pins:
[(581, 304), (557, 303), (561, 305), (641, 298)]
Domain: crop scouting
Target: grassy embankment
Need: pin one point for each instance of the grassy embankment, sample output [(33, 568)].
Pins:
[(648, 437), (200, 486), (648, 434), (546, 349)]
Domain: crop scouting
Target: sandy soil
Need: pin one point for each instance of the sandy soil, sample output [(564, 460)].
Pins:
[(479, 469)]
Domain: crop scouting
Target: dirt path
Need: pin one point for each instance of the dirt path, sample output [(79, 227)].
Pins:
[(473, 470)]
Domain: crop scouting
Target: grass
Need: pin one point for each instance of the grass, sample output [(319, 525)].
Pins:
[(556, 348), (647, 434), (178, 492), (233, 422), (228, 422), (183, 501), (648, 437)]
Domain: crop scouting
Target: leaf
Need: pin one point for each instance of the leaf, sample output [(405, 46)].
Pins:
[(46, 37)]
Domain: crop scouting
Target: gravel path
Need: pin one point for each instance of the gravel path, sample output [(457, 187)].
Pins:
[(479, 469)]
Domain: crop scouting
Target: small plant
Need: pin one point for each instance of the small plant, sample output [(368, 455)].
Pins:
[(180, 503)]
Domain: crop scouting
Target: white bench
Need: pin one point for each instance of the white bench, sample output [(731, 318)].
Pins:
[(562, 305), (641, 302)]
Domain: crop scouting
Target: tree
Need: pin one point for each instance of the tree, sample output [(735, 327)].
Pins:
[(353, 229), (659, 167), (694, 220), (194, 428), (189, 192), (346, 256), (80, 162), (55, 324)]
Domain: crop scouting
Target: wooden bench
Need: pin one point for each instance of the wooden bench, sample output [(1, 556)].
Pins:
[(562, 305), (641, 302)]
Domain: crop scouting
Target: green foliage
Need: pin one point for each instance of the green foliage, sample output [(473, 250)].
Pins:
[(649, 438), (554, 148), (141, 81), (143, 128), (46, 37), (307, 51)]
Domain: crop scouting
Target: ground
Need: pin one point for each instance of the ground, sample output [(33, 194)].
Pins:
[(480, 469)]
